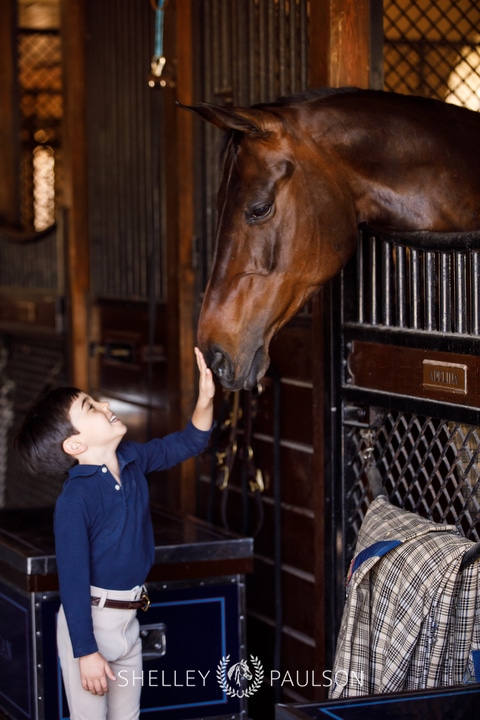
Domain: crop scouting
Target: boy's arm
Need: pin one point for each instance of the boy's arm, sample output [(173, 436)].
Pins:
[(94, 671), (202, 416)]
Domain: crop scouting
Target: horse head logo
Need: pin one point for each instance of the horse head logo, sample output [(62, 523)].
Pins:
[(239, 671), (239, 674)]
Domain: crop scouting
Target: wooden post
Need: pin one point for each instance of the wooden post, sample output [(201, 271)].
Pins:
[(73, 24), (339, 55), (179, 207), (339, 46)]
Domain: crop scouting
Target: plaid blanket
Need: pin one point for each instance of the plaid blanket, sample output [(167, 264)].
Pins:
[(411, 618)]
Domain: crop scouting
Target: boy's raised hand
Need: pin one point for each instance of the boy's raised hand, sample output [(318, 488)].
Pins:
[(202, 416), (206, 385)]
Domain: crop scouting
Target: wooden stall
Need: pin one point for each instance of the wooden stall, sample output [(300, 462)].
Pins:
[(106, 296)]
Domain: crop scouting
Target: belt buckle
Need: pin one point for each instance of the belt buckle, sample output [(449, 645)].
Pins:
[(145, 601)]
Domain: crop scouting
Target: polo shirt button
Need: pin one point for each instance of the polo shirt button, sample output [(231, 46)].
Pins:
[(104, 469), (117, 487)]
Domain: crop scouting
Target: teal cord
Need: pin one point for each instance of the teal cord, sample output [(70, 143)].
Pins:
[(159, 29)]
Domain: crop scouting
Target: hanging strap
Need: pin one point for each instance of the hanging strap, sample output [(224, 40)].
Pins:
[(252, 477), (225, 458), (158, 59), (238, 452)]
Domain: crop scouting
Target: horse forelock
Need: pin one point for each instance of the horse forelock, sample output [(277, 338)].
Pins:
[(229, 146)]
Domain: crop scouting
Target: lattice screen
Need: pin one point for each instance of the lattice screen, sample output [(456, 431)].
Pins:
[(430, 466), (40, 89), (431, 48)]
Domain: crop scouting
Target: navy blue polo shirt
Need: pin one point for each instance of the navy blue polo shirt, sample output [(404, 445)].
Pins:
[(103, 529)]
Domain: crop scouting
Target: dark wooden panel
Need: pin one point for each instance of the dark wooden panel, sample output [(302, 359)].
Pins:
[(30, 312), (285, 680), (298, 600), (296, 403), (297, 537), (416, 372), (296, 498), (296, 472), (200, 570), (122, 351), (298, 677), (291, 352)]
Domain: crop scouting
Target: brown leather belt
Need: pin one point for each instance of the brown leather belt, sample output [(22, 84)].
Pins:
[(142, 604)]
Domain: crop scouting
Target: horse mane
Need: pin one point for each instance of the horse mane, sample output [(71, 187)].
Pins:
[(231, 138), (306, 96)]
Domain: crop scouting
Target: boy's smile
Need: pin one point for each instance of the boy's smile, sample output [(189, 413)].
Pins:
[(97, 425)]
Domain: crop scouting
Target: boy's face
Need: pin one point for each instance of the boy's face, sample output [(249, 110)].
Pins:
[(96, 424)]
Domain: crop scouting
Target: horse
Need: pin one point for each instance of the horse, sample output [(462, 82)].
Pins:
[(299, 176)]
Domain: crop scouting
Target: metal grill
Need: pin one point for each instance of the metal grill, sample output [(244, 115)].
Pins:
[(247, 52), (125, 131), (432, 49), (420, 281), (32, 265)]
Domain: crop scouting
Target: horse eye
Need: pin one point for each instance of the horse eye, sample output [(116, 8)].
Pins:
[(260, 211)]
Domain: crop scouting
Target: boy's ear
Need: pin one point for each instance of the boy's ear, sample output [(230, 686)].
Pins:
[(73, 445)]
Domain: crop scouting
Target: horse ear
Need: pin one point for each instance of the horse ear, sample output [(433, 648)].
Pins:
[(250, 121)]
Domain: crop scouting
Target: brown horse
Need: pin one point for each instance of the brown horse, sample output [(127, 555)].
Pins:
[(299, 175)]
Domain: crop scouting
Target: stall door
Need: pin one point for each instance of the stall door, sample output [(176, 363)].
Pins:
[(407, 384)]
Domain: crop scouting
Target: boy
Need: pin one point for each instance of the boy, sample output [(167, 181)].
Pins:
[(103, 536)]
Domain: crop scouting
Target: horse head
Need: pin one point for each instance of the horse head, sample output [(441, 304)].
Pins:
[(240, 671), (285, 225)]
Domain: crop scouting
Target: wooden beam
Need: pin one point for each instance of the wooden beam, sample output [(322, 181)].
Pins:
[(339, 44), (178, 153), (339, 55), (73, 30), (9, 135)]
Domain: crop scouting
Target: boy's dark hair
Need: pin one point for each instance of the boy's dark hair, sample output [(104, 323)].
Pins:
[(46, 425)]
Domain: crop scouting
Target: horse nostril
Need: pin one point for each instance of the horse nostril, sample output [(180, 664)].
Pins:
[(220, 365)]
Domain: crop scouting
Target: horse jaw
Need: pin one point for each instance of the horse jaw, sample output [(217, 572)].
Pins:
[(236, 347)]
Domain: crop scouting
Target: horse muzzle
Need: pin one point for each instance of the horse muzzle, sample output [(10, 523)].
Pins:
[(242, 379)]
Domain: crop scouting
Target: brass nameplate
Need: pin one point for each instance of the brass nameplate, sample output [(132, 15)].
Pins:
[(449, 377)]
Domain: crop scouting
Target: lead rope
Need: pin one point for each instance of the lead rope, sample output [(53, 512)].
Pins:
[(252, 477)]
